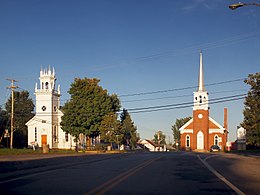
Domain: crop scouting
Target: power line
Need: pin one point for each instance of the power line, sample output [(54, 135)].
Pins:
[(180, 89), (181, 104), (206, 46), (178, 96), (187, 106)]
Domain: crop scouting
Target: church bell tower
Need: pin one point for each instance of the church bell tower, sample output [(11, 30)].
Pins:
[(47, 107), (47, 97)]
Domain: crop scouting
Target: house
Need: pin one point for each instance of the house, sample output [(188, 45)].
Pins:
[(44, 128), (152, 146), (202, 131)]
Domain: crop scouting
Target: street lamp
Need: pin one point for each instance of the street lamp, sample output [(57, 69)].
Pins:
[(237, 5)]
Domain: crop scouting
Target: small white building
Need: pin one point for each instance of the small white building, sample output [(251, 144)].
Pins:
[(152, 146), (44, 127)]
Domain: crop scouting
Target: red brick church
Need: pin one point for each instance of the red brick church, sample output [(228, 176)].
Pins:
[(202, 131)]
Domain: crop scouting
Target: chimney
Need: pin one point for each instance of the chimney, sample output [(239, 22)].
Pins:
[(225, 119)]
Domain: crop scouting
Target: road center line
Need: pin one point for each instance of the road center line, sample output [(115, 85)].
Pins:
[(103, 188), (233, 187)]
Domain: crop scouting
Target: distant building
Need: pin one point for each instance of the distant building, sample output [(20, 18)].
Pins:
[(153, 147), (44, 128), (202, 131), (241, 138)]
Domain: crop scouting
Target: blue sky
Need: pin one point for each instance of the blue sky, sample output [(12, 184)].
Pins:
[(134, 46)]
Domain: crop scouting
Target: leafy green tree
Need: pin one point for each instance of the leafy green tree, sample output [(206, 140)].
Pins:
[(128, 129), (23, 108), (87, 107), (251, 110), (110, 129), (3, 126), (159, 138), (175, 128)]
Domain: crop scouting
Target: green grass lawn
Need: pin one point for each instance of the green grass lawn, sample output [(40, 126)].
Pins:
[(14, 151)]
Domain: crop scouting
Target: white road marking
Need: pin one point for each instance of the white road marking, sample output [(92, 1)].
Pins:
[(233, 187)]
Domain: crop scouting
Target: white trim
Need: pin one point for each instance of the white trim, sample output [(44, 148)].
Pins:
[(186, 131), (216, 131)]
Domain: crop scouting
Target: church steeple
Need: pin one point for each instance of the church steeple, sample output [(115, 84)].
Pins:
[(201, 86), (201, 95)]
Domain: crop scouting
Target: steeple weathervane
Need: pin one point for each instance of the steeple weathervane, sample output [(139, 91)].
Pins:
[(201, 86)]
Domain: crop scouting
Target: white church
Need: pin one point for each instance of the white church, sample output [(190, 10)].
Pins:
[(44, 127)]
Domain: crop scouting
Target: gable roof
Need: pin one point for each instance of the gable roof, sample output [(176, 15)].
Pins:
[(212, 125), (149, 142)]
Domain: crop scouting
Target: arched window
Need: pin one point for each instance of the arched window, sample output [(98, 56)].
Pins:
[(216, 140), (46, 85), (55, 134), (187, 141)]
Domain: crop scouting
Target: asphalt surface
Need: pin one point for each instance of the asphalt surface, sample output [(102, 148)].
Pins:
[(141, 173)]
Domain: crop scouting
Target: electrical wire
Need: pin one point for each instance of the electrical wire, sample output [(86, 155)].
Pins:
[(180, 89), (180, 107), (182, 104), (178, 96)]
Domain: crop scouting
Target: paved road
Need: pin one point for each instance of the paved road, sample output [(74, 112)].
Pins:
[(141, 173)]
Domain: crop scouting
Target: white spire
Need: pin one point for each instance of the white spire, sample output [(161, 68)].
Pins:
[(201, 97), (201, 86)]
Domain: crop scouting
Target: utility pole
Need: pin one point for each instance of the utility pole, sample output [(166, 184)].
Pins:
[(12, 87)]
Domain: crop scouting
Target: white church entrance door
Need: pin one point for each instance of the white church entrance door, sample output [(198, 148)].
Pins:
[(200, 140)]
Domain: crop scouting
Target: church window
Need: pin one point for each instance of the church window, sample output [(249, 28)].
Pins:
[(66, 137), (42, 85), (196, 98), (216, 140), (187, 141), (35, 134), (55, 134), (200, 99), (46, 85)]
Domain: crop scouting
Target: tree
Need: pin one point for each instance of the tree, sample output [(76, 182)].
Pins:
[(3, 126), (23, 108), (175, 128), (128, 129), (87, 107), (159, 138), (110, 129), (251, 111)]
